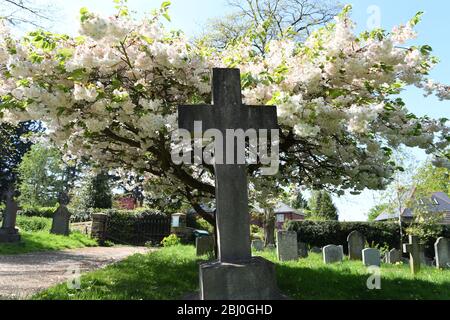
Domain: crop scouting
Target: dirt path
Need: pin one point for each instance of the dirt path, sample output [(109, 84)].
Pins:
[(26, 274)]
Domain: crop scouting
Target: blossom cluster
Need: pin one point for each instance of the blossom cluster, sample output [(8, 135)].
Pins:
[(112, 94)]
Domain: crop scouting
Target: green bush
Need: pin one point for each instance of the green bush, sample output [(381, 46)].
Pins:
[(378, 234), (171, 241), (43, 212), (34, 224)]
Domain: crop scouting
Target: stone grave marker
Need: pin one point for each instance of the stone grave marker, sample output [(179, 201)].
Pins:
[(287, 246), (8, 232), (356, 243), (414, 248), (371, 257), (61, 217), (236, 275), (204, 245), (332, 254), (442, 249), (394, 256), (258, 245), (302, 250)]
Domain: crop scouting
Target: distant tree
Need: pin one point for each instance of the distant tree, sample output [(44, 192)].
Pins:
[(41, 175), (322, 206), (276, 17), (429, 179), (26, 12), (300, 202), (95, 192), (13, 147), (377, 210)]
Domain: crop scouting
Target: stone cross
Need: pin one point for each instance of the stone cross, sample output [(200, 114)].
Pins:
[(8, 231), (414, 249), (228, 112)]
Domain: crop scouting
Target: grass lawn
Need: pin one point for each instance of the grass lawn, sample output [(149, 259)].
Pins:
[(44, 241), (172, 272)]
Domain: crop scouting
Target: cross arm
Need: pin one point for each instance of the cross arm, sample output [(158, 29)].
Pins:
[(262, 117), (187, 115)]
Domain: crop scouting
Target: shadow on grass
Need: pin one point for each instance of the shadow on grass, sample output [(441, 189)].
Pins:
[(170, 274), (155, 276), (328, 284)]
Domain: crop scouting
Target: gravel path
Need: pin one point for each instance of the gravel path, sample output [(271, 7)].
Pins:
[(26, 274)]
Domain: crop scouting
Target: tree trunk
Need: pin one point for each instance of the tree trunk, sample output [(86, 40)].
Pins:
[(269, 229)]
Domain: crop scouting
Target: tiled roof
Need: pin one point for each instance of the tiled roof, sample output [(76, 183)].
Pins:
[(439, 202)]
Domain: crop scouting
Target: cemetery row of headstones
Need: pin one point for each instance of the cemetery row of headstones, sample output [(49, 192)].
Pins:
[(10, 234)]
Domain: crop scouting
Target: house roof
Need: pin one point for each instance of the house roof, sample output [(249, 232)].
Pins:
[(284, 208), (438, 202)]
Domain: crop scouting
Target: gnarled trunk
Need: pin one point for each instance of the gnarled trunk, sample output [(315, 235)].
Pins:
[(269, 228)]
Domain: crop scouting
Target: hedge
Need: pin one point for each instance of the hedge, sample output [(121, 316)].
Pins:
[(47, 212), (323, 233)]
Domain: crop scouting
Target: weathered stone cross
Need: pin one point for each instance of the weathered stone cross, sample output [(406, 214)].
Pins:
[(8, 231), (228, 112), (414, 249)]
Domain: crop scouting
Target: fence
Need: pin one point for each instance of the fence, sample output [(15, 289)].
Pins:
[(131, 229)]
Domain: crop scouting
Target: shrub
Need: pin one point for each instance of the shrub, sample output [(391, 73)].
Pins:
[(43, 212), (378, 234), (171, 241), (34, 224)]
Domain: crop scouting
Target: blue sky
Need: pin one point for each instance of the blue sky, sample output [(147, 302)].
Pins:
[(191, 15)]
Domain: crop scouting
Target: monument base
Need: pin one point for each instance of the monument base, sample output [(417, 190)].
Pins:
[(251, 280), (9, 235)]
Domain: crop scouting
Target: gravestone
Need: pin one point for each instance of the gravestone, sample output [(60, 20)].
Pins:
[(8, 231), (61, 217), (356, 242), (414, 248), (236, 275), (258, 245), (287, 246), (442, 249), (316, 250), (332, 254), (371, 257), (394, 256), (204, 245), (302, 250)]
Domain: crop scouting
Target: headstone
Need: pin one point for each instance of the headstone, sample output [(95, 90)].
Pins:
[(371, 257), (316, 250), (8, 231), (442, 249), (258, 245), (287, 246), (302, 250), (394, 256), (204, 245), (414, 249), (332, 254), (424, 260), (356, 243), (236, 275), (61, 217)]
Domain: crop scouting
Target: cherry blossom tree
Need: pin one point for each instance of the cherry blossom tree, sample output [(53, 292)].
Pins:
[(112, 93)]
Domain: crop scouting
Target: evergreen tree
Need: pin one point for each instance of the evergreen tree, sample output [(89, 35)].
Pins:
[(300, 202), (96, 192), (322, 206)]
